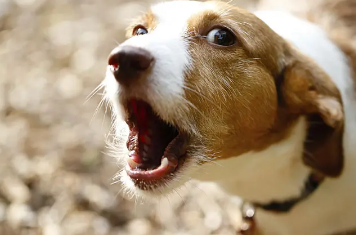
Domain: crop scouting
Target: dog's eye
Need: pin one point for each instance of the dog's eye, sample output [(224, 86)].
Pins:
[(222, 37), (140, 30)]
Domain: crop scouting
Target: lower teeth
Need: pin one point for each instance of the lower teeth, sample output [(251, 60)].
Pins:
[(131, 163), (164, 162)]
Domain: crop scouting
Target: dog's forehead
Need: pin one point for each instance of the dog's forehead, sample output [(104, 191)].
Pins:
[(176, 10), (176, 14)]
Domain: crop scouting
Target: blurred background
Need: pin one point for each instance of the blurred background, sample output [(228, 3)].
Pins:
[(55, 178)]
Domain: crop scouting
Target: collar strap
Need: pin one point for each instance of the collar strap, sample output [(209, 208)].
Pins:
[(310, 185)]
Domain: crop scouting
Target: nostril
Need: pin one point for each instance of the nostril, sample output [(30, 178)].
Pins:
[(114, 58), (113, 61)]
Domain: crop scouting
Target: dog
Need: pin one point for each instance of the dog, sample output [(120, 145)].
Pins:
[(261, 103)]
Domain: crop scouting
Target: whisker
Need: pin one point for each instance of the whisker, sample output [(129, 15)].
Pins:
[(96, 89), (97, 110)]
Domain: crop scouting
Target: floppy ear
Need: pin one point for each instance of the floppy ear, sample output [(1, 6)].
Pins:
[(307, 90)]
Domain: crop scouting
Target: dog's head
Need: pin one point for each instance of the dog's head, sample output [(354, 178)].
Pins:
[(197, 82)]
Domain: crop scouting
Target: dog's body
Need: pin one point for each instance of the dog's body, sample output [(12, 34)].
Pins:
[(261, 133)]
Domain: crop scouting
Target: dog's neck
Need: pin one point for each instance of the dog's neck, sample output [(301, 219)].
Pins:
[(276, 173)]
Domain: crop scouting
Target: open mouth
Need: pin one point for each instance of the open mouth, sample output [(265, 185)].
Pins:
[(156, 148)]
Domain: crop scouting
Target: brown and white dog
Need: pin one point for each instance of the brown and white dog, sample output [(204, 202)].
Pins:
[(267, 96)]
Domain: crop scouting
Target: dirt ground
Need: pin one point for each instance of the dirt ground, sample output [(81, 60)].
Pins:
[(55, 178)]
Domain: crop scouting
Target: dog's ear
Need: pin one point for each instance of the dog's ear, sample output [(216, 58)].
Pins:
[(305, 89)]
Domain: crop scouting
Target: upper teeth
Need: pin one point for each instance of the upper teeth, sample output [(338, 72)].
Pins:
[(147, 139), (144, 155)]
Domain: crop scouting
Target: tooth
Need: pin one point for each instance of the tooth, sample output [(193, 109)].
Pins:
[(131, 163), (147, 139), (164, 163), (144, 155), (146, 148)]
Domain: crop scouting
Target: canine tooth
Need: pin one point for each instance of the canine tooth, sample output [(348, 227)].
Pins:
[(164, 162), (131, 163)]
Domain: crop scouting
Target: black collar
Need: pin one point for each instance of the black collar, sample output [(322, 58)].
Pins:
[(310, 185)]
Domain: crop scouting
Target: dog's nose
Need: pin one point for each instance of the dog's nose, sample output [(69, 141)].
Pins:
[(129, 63)]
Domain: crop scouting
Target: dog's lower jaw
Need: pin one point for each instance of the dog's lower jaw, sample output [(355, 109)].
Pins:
[(165, 188)]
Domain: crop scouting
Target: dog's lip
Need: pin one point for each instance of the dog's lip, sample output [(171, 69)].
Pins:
[(166, 167)]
